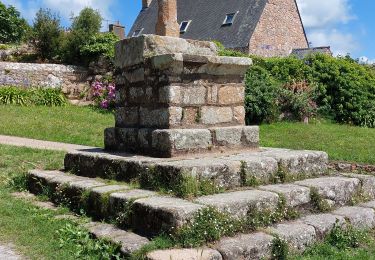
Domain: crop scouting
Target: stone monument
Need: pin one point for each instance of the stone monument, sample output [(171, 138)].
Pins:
[(177, 96)]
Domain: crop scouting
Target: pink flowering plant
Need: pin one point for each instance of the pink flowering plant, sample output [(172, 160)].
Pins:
[(104, 94)]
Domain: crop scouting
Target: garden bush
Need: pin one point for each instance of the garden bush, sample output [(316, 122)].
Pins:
[(99, 44), (104, 94), (291, 88), (32, 96), (47, 34)]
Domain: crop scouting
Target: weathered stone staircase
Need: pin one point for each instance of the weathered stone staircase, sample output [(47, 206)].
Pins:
[(149, 213)]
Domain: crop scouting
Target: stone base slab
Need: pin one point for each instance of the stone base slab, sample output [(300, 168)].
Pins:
[(224, 170), (174, 142)]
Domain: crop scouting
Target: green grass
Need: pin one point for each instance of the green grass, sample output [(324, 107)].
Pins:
[(84, 125), (33, 231), (342, 142), (69, 124)]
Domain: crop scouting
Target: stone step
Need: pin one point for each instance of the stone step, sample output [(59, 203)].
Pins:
[(298, 234), (149, 213), (223, 171)]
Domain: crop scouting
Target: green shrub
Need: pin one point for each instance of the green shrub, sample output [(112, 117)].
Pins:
[(261, 96), (47, 34), (85, 25), (47, 97), (32, 96), (99, 44), (13, 28), (13, 96), (345, 237)]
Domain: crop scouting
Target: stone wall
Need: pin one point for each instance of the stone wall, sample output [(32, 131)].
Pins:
[(279, 30), (73, 80)]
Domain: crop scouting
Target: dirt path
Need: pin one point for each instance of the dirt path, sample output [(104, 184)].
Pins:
[(38, 144), (7, 253)]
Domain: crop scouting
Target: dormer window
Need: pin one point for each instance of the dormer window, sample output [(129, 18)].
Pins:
[(137, 33), (184, 26), (229, 18)]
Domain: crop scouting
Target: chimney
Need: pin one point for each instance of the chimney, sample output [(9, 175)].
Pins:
[(118, 29), (146, 4)]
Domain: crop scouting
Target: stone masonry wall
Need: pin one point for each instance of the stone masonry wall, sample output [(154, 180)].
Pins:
[(279, 30), (176, 96), (71, 79)]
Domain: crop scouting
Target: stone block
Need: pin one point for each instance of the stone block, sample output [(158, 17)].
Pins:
[(136, 75), (228, 136), (170, 94), (144, 138), (294, 195), (170, 63), (126, 116), (216, 115), (195, 95), (360, 218), (181, 139), (127, 137), (260, 168), (160, 117), (239, 203), (184, 254), (323, 223), (232, 94), (136, 95), (212, 94), (370, 204), (155, 214), (298, 235), (129, 241), (251, 135), (190, 115), (298, 162), (239, 114), (338, 189), (251, 246), (367, 182)]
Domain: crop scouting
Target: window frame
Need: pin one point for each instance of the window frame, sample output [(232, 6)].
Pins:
[(225, 22), (186, 27), (135, 34)]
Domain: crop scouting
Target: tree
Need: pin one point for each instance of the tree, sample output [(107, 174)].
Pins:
[(13, 27), (85, 25), (47, 33)]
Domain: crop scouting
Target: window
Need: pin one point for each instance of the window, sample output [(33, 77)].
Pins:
[(136, 33), (184, 26), (229, 19)]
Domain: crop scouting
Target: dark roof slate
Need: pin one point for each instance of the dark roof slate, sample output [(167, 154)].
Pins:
[(207, 17)]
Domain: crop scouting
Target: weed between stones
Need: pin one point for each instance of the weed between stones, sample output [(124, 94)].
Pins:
[(318, 203), (279, 249)]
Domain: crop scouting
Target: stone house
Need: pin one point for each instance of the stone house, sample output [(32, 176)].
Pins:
[(260, 27)]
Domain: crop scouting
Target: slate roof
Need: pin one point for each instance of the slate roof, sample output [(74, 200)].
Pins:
[(207, 17), (302, 53)]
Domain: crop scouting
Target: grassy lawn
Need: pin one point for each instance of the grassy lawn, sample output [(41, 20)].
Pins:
[(35, 232), (70, 124), (342, 142), (83, 125)]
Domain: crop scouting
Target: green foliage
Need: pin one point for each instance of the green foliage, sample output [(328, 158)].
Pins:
[(88, 21), (85, 25), (222, 51), (47, 34), (84, 245), (261, 96), (345, 237), (13, 96), (208, 225), (99, 44), (158, 243), (32, 96), (280, 249), (318, 202), (13, 28)]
